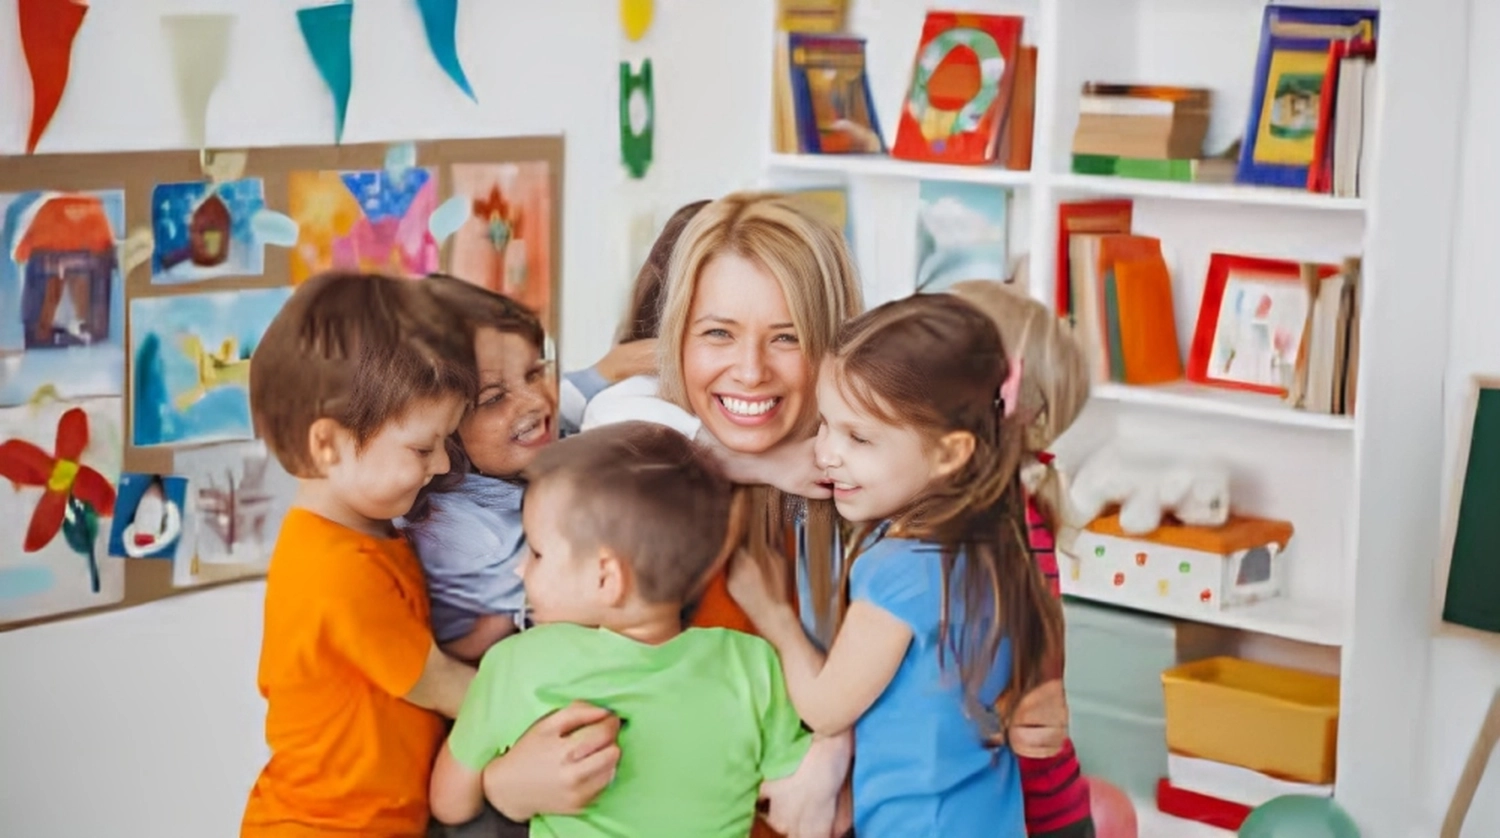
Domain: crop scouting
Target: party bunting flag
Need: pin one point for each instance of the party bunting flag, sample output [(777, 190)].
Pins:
[(326, 30), (200, 53), (47, 31), (635, 17), (440, 19)]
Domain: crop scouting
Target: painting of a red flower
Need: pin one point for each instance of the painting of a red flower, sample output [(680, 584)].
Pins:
[(74, 496)]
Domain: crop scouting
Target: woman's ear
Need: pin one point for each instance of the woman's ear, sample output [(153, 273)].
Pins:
[(323, 444), (953, 452)]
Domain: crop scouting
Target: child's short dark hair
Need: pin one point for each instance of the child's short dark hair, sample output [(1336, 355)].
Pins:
[(650, 495), (358, 349)]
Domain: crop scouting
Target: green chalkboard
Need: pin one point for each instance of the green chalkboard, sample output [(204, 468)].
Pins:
[(1473, 597)]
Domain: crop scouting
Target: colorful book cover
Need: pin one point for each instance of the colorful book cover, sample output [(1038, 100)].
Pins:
[(961, 234), (1111, 215), (961, 87), (831, 95), (1281, 134)]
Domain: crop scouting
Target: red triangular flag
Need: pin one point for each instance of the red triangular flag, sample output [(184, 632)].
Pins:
[(47, 31)]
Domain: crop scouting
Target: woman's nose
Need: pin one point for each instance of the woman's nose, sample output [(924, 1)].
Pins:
[(750, 366)]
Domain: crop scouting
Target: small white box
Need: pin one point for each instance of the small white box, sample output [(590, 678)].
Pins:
[(1211, 568)]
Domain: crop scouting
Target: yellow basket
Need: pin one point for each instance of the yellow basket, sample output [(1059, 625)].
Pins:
[(1278, 721)]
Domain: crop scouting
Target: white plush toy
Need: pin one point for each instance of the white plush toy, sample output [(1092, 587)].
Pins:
[(1147, 486)]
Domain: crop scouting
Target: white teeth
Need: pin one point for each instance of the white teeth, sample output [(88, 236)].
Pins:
[(741, 407), (844, 487), (527, 430)]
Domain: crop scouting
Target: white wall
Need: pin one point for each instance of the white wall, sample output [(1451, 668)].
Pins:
[(1464, 669), (146, 723)]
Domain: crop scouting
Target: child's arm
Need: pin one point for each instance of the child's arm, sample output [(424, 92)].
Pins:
[(488, 630), (831, 695), (443, 684)]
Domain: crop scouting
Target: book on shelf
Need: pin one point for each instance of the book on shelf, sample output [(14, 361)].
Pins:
[(1346, 104), (820, 16), (962, 86), (1108, 215), (1200, 170), (1327, 362), (1020, 123), (1291, 77), (821, 96), (1149, 122), (1122, 306)]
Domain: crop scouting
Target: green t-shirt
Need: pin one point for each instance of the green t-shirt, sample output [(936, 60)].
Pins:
[(706, 719)]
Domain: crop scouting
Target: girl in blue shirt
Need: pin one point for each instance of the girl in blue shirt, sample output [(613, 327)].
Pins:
[(944, 615)]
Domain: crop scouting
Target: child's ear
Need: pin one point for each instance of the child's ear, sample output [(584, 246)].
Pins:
[(323, 444), (614, 578), (952, 453)]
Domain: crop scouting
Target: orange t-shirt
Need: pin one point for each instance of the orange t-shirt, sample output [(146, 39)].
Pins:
[(346, 634)]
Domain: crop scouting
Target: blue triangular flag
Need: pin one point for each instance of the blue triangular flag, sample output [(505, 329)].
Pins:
[(326, 31), (440, 19)]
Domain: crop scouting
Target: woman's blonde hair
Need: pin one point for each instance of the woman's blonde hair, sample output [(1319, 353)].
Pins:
[(811, 265), (1054, 377)]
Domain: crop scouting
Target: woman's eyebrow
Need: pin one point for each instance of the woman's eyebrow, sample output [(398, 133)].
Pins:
[(715, 318)]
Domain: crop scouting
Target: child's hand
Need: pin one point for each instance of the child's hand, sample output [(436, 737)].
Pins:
[(790, 466), (810, 802), (759, 585), (1039, 725), (626, 360), (558, 766)]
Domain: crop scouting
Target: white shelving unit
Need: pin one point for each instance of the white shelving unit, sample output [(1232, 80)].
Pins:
[(1362, 496)]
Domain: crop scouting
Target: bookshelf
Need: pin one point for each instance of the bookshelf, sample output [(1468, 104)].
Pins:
[(1362, 490)]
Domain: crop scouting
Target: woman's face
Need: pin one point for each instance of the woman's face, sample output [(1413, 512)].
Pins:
[(742, 365), (516, 411)]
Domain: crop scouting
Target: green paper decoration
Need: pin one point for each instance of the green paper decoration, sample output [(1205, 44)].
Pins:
[(637, 118)]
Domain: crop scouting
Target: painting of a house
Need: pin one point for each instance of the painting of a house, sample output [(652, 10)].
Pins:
[(69, 253)]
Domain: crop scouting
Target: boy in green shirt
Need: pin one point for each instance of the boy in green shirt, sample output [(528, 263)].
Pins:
[(624, 524)]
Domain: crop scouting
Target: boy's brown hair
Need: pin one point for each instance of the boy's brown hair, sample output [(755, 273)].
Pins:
[(650, 495), (358, 349)]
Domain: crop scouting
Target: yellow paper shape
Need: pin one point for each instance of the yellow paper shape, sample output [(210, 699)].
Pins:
[(635, 16)]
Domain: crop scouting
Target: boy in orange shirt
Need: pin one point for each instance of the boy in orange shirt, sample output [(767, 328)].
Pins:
[(354, 388)]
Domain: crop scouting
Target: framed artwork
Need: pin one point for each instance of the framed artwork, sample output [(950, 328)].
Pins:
[(1286, 100), (1250, 324)]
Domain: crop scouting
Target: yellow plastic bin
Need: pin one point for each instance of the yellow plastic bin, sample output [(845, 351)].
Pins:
[(1278, 721)]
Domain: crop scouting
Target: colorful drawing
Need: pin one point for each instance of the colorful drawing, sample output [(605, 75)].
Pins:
[(148, 517), (62, 300), (203, 231), (1289, 115), (191, 364), (1259, 332), (59, 461), (506, 245), (961, 234), (372, 221), (238, 498)]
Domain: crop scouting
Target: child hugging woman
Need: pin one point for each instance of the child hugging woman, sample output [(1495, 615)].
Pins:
[(942, 613)]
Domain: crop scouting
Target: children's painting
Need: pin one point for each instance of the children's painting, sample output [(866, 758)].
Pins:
[(190, 370), (961, 234), (237, 499), (1258, 332), (506, 244), (202, 230), (372, 221), (62, 301), (148, 517), (60, 461)]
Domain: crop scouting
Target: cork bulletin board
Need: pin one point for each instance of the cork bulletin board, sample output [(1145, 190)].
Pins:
[(133, 287)]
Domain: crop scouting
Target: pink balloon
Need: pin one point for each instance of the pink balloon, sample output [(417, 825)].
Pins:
[(1114, 813)]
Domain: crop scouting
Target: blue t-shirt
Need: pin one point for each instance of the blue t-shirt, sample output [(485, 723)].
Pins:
[(470, 544), (920, 767)]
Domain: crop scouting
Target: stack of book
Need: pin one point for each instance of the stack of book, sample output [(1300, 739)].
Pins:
[(1142, 131), (1327, 372)]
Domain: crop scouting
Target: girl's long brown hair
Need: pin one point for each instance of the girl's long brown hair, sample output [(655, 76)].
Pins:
[(935, 364)]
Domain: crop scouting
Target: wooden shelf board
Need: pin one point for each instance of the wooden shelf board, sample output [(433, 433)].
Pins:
[(1195, 398), (876, 165), (1228, 193), (1286, 618)]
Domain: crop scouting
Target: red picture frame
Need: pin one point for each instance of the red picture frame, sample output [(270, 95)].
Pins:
[(1266, 286)]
